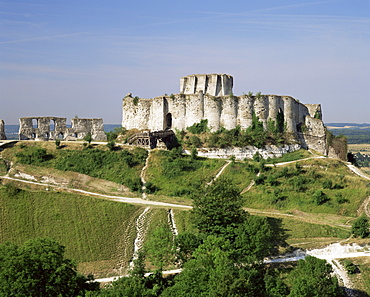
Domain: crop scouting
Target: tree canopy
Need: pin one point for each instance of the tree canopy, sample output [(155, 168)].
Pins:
[(38, 268)]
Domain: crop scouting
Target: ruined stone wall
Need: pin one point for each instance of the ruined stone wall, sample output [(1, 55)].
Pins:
[(81, 127), (201, 98), (222, 111), (2, 130), (51, 128), (313, 135)]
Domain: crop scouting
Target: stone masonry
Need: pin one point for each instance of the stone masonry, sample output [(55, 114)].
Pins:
[(51, 128), (210, 97), (2, 130)]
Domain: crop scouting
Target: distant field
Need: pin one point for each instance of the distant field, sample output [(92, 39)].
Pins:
[(363, 148), (356, 133)]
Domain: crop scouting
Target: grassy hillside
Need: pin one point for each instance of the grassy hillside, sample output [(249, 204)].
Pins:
[(311, 199), (93, 230), (315, 186), (173, 174), (121, 166)]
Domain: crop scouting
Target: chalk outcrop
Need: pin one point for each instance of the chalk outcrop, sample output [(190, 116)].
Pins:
[(51, 128), (210, 97), (2, 130), (247, 152)]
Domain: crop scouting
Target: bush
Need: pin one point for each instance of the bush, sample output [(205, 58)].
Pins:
[(349, 266), (33, 155), (320, 197), (327, 184), (194, 141), (360, 227), (198, 128), (341, 199), (150, 188)]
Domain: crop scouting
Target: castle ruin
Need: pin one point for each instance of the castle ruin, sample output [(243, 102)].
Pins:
[(210, 97), (2, 130), (51, 128)]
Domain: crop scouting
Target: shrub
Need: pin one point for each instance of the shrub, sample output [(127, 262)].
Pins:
[(194, 141), (32, 155), (320, 197), (341, 199), (150, 188), (349, 266), (111, 145), (360, 227), (198, 128), (327, 184)]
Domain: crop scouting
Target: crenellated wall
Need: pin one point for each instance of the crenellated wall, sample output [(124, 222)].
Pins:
[(210, 97)]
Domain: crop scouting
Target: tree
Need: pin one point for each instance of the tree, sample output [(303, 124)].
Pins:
[(360, 227), (312, 278), (160, 247), (218, 208), (88, 138), (38, 268), (212, 272), (111, 145), (57, 143), (137, 284)]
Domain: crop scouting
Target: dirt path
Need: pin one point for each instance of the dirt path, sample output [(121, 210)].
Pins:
[(142, 176), (250, 185), (142, 224), (219, 173), (358, 171), (113, 198)]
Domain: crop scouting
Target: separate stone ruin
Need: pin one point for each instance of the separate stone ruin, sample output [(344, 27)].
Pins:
[(51, 128), (2, 130), (210, 96)]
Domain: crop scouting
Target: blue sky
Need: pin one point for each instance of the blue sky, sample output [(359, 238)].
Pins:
[(68, 58)]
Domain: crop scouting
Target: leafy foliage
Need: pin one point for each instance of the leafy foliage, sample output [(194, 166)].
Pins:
[(38, 268), (160, 247), (198, 128), (360, 227), (137, 284), (312, 278), (117, 166), (218, 208), (32, 155)]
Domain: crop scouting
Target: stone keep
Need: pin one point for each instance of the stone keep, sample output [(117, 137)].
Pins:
[(209, 96)]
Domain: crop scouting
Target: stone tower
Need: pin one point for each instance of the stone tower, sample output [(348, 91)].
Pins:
[(212, 84)]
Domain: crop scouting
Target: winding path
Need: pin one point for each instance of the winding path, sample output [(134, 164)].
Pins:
[(113, 198)]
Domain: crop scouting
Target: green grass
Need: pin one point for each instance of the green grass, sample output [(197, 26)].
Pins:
[(296, 229), (91, 229), (295, 186), (361, 279), (183, 221), (241, 173), (300, 154), (177, 175), (121, 166)]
